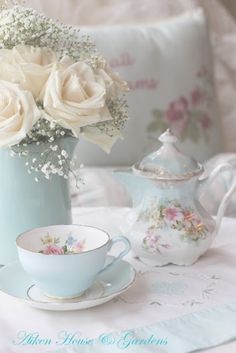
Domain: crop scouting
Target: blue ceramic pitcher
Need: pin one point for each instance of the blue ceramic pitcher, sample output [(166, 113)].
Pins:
[(25, 203)]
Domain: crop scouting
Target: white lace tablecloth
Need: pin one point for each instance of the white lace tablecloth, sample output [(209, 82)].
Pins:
[(159, 294)]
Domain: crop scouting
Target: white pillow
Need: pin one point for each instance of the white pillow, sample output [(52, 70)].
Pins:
[(169, 68)]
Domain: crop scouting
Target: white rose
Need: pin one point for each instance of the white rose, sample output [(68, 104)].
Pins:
[(28, 66), (74, 98), (113, 85), (18, 113), (111, 80)]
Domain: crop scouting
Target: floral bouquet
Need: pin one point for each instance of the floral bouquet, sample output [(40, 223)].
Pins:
[(54, 84)]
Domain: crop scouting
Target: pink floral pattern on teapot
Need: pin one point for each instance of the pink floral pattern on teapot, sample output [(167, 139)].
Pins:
[(170, 213)]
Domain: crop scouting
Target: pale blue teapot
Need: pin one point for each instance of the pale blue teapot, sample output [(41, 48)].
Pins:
[(168, 224)]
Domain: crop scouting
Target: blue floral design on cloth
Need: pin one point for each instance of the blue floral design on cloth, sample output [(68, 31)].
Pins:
[(167, 288)]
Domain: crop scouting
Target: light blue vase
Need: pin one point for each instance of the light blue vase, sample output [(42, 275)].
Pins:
[(25, 203)]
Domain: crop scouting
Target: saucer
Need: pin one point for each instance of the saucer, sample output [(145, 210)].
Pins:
[(114, 281)]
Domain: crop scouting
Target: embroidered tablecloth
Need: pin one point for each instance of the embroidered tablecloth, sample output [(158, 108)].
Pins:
[(161, 301)]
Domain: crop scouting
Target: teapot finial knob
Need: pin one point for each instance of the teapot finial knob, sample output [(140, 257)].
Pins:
[(168, 137)]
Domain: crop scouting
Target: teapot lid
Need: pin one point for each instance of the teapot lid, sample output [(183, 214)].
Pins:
[(168, 162)]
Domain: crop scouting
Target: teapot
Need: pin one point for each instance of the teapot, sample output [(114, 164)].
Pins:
[(168, 223)]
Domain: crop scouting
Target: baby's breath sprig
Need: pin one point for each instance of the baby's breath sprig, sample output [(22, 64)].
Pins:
[(45, 131), (119, 111), (52, 160), (44, 153), (20, 25)]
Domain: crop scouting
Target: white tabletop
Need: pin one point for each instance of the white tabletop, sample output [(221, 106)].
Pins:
[(213, 276)]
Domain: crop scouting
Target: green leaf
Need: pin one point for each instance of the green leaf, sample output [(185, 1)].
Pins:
[(191, 130), (156, 124), (157, 113), (153, 126), (65, 249)]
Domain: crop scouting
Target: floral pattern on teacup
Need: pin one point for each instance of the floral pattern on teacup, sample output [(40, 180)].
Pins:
[(188, 115), (53, 246), (170, 214)]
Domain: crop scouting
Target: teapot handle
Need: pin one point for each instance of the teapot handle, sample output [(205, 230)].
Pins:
[(225, 201)]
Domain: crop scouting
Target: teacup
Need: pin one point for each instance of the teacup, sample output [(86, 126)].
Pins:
[(64, 260)]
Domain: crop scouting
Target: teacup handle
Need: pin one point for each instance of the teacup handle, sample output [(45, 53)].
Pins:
[(121, 255)]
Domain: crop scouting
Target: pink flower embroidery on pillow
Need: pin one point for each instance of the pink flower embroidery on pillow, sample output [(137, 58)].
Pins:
[(176, 115), (188, 116)]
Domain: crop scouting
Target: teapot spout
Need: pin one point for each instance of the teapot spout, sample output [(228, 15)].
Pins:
[(134, 184)]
